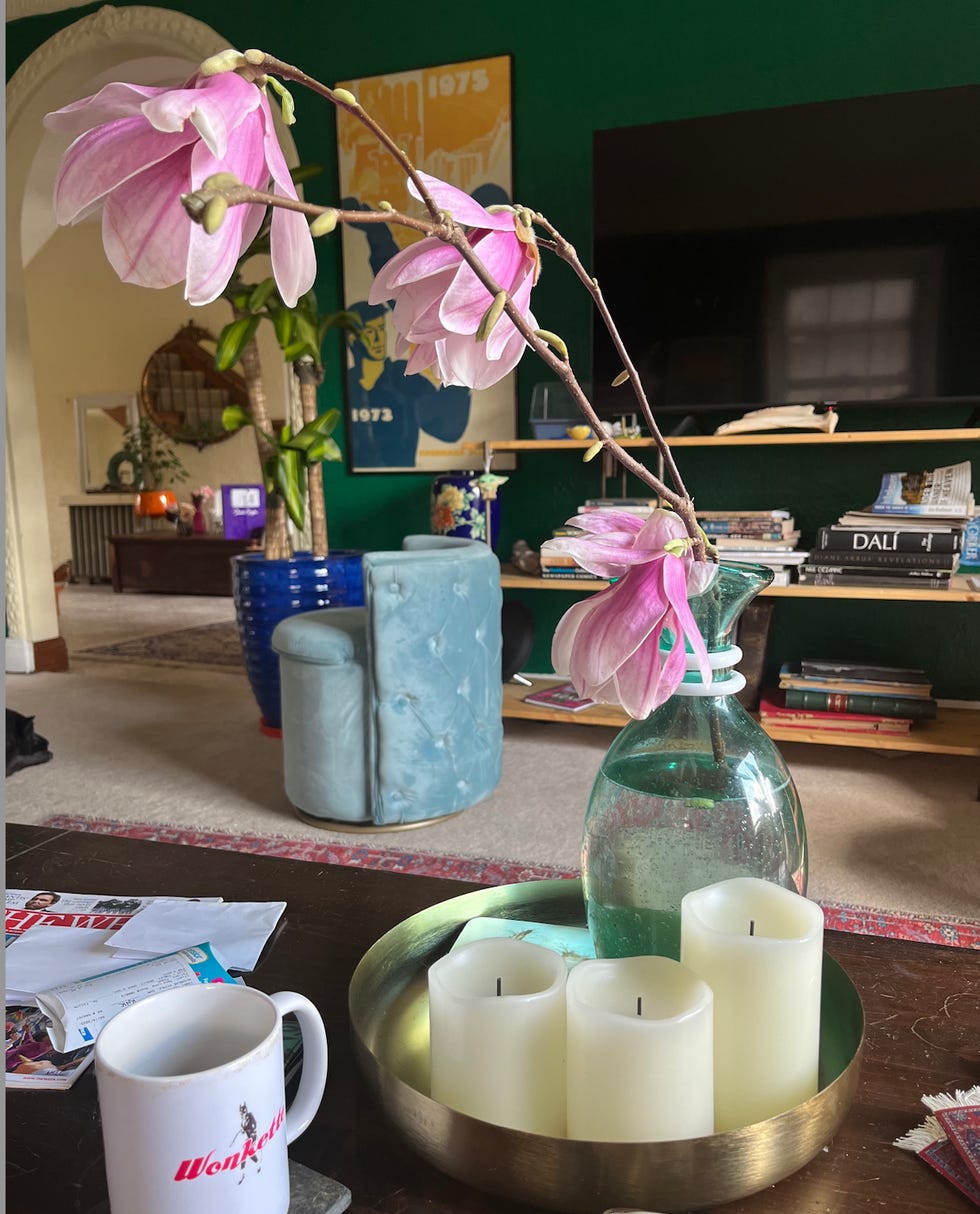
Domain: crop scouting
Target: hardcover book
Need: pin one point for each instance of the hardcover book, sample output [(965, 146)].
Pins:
[(773, 709), (790, 677), (887, 539), (840, 668), (875, 559), (920, 579), (874, 705)]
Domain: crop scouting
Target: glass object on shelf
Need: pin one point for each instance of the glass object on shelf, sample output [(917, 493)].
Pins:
[(695, 793)]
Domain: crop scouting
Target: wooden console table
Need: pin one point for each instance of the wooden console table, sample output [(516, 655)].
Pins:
[(160, 563)]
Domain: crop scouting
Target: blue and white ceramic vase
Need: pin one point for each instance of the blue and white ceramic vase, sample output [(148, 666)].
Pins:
[(267, 591), (459, 508)]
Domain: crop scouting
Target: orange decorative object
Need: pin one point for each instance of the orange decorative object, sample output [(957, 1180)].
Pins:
[(154, 503)]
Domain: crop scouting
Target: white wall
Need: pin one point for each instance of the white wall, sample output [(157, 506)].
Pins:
[(103, 332)]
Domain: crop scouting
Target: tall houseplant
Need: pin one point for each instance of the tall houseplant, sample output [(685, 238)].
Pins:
[(284, 582)]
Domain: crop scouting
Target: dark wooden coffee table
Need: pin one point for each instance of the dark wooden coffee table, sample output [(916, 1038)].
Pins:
[(922, 1004)]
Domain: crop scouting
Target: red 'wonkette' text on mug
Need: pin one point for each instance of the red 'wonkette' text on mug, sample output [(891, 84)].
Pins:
[(207, 1165)]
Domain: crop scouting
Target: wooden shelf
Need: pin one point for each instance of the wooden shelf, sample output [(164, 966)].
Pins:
[(955, 731), (782, 439), (513, 579)]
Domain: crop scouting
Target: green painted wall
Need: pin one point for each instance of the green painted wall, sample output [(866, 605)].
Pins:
[(577, 70)]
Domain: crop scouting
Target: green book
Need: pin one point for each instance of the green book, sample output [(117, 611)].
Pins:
[(882, 706)]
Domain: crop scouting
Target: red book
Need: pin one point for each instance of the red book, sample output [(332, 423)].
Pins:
[(772, 708)]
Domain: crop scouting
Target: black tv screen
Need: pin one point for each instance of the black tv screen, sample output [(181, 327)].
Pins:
[(827, 252)]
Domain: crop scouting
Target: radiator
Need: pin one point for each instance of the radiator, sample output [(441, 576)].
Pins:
[(91, 526)]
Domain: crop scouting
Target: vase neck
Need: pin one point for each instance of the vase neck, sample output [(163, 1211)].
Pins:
[(717, 609)]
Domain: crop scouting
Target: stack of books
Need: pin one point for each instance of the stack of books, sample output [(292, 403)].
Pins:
[(558, 565), (853, 697), (911, 536), (759, 537)]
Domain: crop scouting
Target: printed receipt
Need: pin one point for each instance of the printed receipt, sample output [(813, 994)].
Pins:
[(78, 1010)]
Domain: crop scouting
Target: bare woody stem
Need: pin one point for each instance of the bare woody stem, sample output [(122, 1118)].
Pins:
[(277, 542), (309, 376)]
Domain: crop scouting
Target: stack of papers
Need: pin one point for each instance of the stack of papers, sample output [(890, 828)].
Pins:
[(74, 960)]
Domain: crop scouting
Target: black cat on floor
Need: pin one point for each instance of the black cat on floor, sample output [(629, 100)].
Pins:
[(24, 746)]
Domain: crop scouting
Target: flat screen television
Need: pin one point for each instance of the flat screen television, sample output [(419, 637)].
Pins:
[(827, 252)]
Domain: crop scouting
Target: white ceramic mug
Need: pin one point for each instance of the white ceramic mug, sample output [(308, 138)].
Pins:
[(191, 1090)]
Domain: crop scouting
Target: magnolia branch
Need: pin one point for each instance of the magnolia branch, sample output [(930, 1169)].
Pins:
[(209, 205)]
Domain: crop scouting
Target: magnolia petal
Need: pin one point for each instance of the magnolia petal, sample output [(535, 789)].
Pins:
[(421, 358), (211, 259), (675, 587), (630, 611), (416, 310), (661, 527), (463, 361), (600, 521), (214, 107), (467, 299), (503, 332), (115, 101), (290, 239), (145, 230), (101, 160), (418, 261), (650, 678), (464, 209)]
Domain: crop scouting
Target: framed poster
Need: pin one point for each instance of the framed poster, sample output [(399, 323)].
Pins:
[(454, 122)]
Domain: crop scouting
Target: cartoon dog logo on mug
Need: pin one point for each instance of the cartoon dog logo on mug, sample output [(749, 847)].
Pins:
[(251, 1149)]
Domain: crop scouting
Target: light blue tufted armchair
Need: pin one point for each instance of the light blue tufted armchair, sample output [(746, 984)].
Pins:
[(391, 712)]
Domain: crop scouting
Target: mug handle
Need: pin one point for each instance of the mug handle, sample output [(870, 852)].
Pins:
[(313, 1078)]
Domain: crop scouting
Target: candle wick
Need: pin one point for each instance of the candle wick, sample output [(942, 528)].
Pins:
[(751, 927), (639, 1005), (498, 986)]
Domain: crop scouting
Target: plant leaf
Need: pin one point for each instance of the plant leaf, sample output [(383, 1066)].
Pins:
[(233, 417), (289, 481), (260, 294), (233, 340)]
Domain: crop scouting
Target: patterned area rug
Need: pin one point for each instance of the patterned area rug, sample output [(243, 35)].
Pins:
[(214, 646), (860, 920)]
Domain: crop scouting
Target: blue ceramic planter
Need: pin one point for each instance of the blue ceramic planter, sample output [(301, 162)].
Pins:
[(267, 591), (458, 508)]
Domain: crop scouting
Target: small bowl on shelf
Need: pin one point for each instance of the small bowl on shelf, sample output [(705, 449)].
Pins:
[(389, 1017)]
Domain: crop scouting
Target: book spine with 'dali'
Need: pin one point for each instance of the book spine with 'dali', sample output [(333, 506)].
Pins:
[(838, 701), (887, 540)]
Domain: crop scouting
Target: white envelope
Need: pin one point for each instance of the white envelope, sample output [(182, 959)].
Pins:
[(43, 957), (237, 930)]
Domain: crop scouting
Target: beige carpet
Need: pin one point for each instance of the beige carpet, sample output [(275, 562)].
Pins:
[(151, 743)]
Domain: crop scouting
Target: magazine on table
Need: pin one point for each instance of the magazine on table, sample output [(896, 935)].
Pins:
[(27, 908), (559, 695)]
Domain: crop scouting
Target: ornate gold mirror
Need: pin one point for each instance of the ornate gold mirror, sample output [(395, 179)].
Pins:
[(184, 394)]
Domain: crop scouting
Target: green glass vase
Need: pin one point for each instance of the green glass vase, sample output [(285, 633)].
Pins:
[(695, 793)]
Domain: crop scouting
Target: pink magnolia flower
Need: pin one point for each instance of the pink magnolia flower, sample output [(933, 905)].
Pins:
[(139, 148), (439, 301), (609, 644)]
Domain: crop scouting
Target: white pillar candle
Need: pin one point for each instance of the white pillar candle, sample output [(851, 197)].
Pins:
[(497, 1034), (639, 1051), (760, 949)]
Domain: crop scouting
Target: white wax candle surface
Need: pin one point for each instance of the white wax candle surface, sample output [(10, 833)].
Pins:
[(500, 1056), (760, 949), (639, 1051)]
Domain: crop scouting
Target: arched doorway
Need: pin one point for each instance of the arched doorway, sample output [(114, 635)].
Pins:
[(138, 44)]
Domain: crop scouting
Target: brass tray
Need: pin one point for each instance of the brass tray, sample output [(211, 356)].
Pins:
[(390, 1021)]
